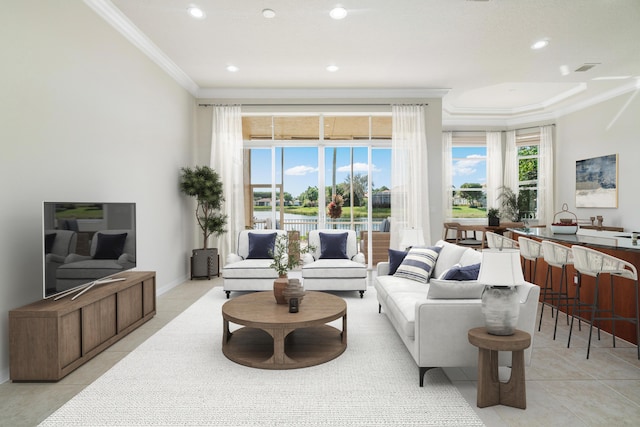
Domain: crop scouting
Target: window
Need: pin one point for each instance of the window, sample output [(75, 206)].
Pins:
[(468, 177), (527, 145), (295, 156)]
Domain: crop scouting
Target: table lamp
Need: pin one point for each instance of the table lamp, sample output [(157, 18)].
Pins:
[(500, 271)]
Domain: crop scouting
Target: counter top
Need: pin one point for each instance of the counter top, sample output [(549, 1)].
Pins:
[(603, 239)]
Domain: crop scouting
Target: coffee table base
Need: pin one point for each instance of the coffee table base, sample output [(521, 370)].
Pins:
[(303, 347)]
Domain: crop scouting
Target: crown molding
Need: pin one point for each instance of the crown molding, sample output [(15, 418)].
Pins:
[(319, 94), (114, 17)]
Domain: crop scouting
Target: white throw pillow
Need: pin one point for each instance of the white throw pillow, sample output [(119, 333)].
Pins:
[(455, 289)]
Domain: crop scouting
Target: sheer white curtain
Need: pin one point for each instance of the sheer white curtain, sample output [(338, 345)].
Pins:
[(227, 160), (447, 173), (546, 210), (494, 168), (409, 183), (511, 162)]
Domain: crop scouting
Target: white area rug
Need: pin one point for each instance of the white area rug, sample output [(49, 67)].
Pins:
[(179, 377)]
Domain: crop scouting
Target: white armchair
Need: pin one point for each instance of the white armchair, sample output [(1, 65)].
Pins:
[(245, 273), (335, 264)]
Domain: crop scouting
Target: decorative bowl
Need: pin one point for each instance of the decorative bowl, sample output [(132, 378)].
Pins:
[(564, 229)]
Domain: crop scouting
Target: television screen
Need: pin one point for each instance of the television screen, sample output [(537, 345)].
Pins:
[(86, 242)]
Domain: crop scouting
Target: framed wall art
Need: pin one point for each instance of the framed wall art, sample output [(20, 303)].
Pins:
[(597, 182)]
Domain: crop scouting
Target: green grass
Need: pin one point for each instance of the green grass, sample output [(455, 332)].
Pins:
[(468, 212), (359, 211), (81, 212)]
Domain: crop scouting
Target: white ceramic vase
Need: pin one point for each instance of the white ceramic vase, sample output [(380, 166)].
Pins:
[(501, 307)]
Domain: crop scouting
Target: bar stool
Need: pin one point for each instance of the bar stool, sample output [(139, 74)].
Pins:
[(556, 256), (595, 263), (497, 241), (530, 250)]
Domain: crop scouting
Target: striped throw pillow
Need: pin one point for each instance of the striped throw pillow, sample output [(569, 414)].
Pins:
[(419, 263)]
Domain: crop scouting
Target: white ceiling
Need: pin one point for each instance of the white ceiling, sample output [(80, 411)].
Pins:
[(476, 54)]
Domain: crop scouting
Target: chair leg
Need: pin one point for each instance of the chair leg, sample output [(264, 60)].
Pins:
[(613, 311), (593, 316)]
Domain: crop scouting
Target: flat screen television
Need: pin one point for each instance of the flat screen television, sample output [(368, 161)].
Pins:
[(86, 242)]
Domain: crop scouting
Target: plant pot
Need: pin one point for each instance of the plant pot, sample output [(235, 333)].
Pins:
[(279, 286), (501, 308), (494, 221), (204, 263)]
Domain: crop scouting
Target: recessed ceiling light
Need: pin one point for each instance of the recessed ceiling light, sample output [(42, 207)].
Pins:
[(338, 12), (196, 12), (540, 44), (564, 70), (232, 68), (332, 68), (268, 13)]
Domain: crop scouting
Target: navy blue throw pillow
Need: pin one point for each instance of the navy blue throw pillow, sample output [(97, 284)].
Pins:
[(333, 246), (261, 246), (469, 272), (110, 246), (395, 259)]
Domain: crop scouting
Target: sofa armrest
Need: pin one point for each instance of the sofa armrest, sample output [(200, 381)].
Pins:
[(383, 268), (231, 258), (307, 259)]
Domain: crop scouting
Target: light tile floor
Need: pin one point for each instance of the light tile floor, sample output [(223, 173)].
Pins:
[(563, 387)]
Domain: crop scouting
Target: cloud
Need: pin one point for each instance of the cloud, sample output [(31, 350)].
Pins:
[(467, 166), (358, 167), (300, 170)]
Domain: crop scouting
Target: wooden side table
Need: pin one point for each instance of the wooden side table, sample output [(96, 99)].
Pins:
[(490, 390)]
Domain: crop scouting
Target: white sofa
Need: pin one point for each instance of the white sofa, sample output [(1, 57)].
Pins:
[(242, 274), (433, 319), (348, 274)]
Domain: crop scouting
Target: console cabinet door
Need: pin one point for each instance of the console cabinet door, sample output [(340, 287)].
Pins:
[(130, 306), (98, 323)]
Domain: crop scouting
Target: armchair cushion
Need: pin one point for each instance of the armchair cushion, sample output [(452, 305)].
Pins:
[(455, 289), (333, 245), (261, 245), (418, 264), (395, 259), (110, 246)]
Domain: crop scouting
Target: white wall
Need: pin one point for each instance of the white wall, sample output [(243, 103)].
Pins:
[(85, 116), (606, 128)]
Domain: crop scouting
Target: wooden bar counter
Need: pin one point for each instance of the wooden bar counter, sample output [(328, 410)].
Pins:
[(618, 245)]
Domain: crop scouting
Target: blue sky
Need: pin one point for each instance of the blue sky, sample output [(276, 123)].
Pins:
[(469, 165), (301, 166)]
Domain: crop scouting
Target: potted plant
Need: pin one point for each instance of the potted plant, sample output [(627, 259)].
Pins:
[(286, 257), (494, 217), (205, 185), (510, 204)]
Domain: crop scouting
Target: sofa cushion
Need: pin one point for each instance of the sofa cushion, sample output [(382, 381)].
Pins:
[(395, 259), (401, 305), (334, 268), (449, 256), (261, 246), (333, 246), (470, 257), (468, 272), (455, 289), (110, 246), (418, 264), (250, 269)]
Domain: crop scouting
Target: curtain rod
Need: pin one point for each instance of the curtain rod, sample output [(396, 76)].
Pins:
[(310, 105)]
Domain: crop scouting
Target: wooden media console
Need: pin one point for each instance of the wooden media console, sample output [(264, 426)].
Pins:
[(49, 339)]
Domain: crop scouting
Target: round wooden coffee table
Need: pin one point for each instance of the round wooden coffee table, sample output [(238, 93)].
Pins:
[(273, 338)]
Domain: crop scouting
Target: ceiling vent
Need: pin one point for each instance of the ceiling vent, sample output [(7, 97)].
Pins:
[(586, 67)]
